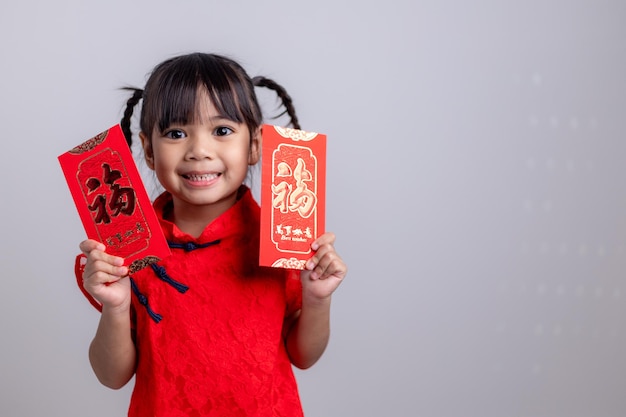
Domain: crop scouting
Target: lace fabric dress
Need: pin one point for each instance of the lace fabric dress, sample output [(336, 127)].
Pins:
[(209, 323)]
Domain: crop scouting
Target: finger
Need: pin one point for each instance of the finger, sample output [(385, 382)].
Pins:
[(321, 246), (99, 278), (96, 282), (327, 238), (103, 287), (95, 250), (100, 255), (312, 263), (327, 266), (86, 246), (319, 266), (332, 265), (101, 261), (322, 249), (108, 268)]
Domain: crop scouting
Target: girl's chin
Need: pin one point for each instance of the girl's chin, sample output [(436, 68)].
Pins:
[(207, 198)]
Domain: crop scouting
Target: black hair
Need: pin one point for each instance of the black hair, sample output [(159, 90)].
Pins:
[(170, 94)]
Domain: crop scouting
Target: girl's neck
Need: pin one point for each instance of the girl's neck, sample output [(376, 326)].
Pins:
[(193, 219)]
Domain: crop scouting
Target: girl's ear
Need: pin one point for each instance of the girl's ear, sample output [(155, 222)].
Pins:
[(255, 146), (147, 150)]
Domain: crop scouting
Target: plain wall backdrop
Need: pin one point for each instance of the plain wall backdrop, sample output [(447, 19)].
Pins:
[(476, 183)]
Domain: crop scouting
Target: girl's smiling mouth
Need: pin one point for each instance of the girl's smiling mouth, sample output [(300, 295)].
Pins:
[(201, 178)]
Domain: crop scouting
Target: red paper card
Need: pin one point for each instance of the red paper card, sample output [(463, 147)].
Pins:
[(110, 197), (293, 195)]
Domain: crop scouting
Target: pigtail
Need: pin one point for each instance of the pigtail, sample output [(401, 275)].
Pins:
[(284, 97), (130, 105)]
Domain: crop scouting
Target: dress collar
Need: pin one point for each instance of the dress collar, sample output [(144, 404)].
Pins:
[(243, 215)]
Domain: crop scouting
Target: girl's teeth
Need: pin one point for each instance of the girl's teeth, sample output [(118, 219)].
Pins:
[(204, 177)]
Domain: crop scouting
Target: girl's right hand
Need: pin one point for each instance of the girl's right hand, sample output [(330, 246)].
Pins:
[(105, 277)]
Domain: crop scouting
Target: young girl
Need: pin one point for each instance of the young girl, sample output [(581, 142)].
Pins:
[(207, 332)]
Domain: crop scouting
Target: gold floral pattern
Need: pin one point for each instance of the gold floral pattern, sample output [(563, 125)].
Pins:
[(90, 144), (295, 134), (142, 263)]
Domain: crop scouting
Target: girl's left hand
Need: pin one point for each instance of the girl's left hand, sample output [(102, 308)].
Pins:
[(325, 270)]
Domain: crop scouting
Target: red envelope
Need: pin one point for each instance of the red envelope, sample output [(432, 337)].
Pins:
[(293, 195), (112, 202)]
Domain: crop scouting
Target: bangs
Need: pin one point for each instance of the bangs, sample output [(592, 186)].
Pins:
[(175, 93)]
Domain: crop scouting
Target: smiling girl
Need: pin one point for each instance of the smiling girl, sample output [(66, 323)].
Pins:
[(208, 332)]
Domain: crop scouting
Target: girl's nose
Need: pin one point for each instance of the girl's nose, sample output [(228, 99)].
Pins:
[(200, 147)]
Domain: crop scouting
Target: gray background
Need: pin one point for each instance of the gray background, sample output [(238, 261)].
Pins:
[(476, 182)]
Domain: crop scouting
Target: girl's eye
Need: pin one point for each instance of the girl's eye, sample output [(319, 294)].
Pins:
[(175, 134), (223, 131)]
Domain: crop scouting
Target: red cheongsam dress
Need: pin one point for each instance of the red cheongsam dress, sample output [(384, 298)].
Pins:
[(209, 323)]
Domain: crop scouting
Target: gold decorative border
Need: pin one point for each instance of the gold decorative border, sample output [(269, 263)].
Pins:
[(295, 134), (291, 263), (90, 144), (142, 263)]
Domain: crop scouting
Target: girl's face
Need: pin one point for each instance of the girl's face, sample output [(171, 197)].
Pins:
[(203, 163)]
